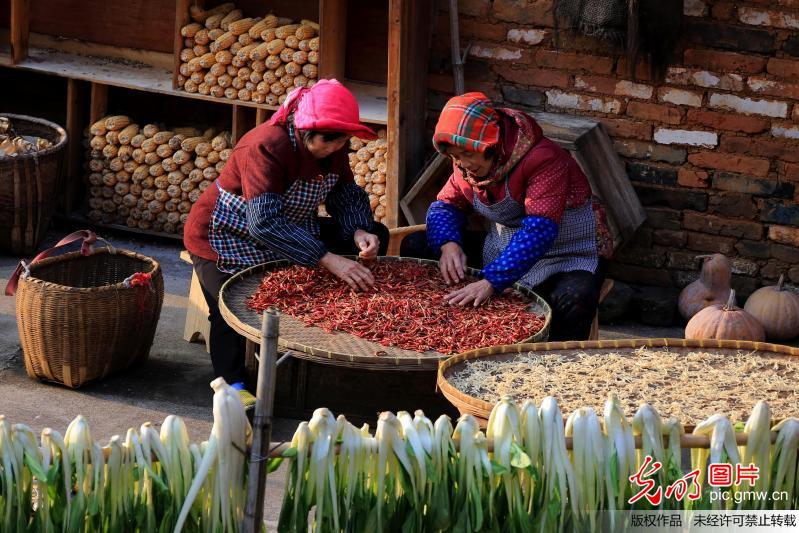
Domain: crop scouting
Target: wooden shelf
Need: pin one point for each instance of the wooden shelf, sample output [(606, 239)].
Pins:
[(144, 77), (79, 218)]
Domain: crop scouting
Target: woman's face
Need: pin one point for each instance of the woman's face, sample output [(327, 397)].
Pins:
[(320, 148), (475, 163)]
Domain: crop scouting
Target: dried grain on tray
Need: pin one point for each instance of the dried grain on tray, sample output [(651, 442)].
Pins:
[(405, 310), (227, 54), (689, 385), (148, 177)]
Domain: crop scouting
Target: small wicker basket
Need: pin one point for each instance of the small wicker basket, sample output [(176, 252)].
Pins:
[(87, 314)]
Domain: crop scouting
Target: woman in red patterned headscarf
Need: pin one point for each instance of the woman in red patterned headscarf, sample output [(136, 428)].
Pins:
[(545, 231)]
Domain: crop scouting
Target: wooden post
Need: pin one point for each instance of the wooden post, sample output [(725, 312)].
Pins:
[(262, 422), (181, 19), (20, 30), (261, 115), (76, 121), (332, 38), (243, 121), (99, 102), (457, 61)]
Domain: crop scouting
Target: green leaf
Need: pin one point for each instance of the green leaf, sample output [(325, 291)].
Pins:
[(498, 469), (518, 457), (290, 453)]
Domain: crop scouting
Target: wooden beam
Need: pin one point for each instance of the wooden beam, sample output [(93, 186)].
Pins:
[(261, 116), (243, 121), (99, 102), (332, 38), (76, 122), (181, 19), (20, 30)]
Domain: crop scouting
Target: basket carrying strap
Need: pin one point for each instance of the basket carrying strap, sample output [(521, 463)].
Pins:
[(88, 238)]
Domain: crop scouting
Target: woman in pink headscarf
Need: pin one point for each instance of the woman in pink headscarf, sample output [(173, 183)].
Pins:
[(264, 205)]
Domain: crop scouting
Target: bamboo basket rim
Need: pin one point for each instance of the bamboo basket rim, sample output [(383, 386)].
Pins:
[(31, 278), (475, 405), (383, 362), (57, 146)]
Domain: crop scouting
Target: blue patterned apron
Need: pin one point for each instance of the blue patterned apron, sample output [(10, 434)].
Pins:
[(574, 248), (229, 234)]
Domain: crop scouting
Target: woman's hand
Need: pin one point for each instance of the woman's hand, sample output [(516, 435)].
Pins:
[(452, 263), (367, 243), (477, 292), (353, 273)]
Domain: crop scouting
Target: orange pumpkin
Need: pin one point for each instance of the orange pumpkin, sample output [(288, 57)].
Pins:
[(725, 322), (712, 287), (777, 309)]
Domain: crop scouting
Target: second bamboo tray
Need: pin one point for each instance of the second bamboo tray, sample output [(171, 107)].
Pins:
[(338, 348)]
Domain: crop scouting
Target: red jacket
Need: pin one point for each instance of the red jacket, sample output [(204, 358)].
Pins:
[(262, 161)]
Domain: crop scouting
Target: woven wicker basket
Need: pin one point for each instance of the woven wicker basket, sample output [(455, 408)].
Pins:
[(78, 318), (29, 186)]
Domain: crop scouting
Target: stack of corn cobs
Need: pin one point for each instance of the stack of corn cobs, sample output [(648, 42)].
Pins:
[(144, 482), (149, 177), (416, 475), (228, 55), (368, 163)]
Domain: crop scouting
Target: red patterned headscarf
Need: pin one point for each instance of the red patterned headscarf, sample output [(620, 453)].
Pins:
[(468, 121)]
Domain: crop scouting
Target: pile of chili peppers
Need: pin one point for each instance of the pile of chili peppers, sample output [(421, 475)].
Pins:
[(405, 310)]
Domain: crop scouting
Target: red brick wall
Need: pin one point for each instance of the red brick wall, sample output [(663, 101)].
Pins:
[(713, 151)]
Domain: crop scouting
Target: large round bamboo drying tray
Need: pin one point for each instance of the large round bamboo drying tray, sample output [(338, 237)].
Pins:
[(337, 348), (78, 322), (29, 186), (480, 409)]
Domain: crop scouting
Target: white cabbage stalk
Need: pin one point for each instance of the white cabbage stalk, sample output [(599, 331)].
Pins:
[(757, 452), (723, 449), (469, 475), (784, 463), (620, 459), (531, 443), (561, 488), (504, 431), (588, 458)]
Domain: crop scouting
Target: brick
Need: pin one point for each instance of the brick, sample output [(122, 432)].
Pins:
[(612, 86), (736, 38), (768, 17), (523, 36), (625, 128), (694, 8), (713, 244), (761, 85), (564, 100), (533, 12), (642, 238), (683, 278), (478, 70), (670, 238), (643, 70), (650, 151), (785, 131), (743, 267), (723, 11), (573, 61), (726, 181), (472, 28), (730, 162), (725, 61), (756, 249), (680, 97), (780, 252), (652, 174), (705, 139), (659, 217), (774, 148), (692, 178), (656, 277), (749, 106), (744, 287), (704, 78), (704, 223), (534, 76), (796, 113), (641, 256), (725, 121), (499, 53), (790, 171), (784, 235), (791, 45), (778, 213), (793, 275), (526, 97), (655, 112), (783, 68), (673, 198), (683, 260), (772, 270), (731, 204), (633, 90)]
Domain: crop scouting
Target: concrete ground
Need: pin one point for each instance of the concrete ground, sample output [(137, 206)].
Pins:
[(174, 380)]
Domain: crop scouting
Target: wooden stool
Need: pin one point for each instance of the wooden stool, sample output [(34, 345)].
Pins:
[(197, 325)]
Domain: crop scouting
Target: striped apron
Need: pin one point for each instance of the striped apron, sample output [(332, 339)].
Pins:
[(574, 248)]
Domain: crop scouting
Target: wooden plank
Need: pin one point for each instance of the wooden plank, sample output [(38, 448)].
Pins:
[(76, 122), (365, 58), (181, 19), (333, 38), (424, 191), (394, 165), (99, 102), (243, 121), (98, 51), (79, 218), (261, 116), (145, 24), (20, 30)]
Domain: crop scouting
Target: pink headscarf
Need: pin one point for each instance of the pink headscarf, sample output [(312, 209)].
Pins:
[(327, 106)]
